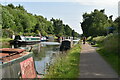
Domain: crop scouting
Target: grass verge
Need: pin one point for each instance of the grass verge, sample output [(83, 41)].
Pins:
[(66, 65)]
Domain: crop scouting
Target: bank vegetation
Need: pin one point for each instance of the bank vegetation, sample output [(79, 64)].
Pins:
[(66, 65)]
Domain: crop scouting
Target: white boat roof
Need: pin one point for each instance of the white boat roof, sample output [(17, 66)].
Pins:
[(50, 43), (31, 37)]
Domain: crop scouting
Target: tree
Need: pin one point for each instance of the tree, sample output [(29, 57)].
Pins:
[(11, 5), (58, 27), (95, 23), (117, 24), (18, 20), (68, 30), (103, 10), (20, 7)]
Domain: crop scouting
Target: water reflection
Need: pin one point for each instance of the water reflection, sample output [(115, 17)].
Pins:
[(43, 56)]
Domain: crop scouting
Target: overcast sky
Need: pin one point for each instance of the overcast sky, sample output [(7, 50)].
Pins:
[(70, 11)]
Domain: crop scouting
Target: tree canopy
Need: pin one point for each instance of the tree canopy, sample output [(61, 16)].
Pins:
[(19, 21), (96, 23)]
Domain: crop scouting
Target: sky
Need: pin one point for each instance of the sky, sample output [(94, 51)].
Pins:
[(119, 8), (70, 11)]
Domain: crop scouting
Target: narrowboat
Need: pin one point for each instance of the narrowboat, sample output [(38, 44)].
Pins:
[(65, 45), (16, 63), (25, 40)]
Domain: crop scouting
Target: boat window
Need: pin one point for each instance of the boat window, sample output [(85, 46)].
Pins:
[(27, 38), (32, 39), (17, 38), (35, 38)]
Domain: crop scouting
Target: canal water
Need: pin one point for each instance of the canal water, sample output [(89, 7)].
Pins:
[(44, 54)]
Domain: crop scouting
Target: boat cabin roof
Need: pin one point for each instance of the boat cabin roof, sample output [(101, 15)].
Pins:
[(8, 54)]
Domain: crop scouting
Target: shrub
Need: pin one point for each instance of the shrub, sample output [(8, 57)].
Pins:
[(110, 50), (99, 39), (89, 38), (29, 34), (7, 33), (66, 65), (111, 43)]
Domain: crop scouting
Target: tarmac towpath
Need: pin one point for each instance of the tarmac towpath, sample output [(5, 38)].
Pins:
[(92, 65)]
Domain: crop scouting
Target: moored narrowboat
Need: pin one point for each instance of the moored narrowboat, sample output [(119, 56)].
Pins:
[(25, 40), (65, 45), (16, 63)]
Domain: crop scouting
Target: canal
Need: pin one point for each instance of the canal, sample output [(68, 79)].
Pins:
[(44, 54)]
